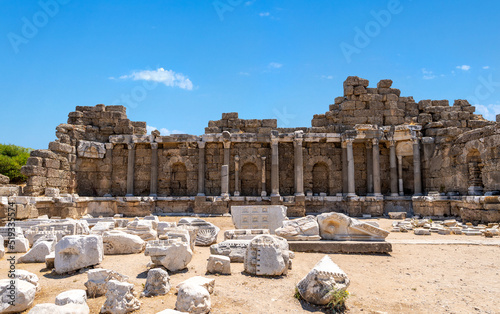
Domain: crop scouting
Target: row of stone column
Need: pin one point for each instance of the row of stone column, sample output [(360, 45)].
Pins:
[(373, 169)]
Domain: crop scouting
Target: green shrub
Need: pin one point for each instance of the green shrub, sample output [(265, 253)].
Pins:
[(12, 158)]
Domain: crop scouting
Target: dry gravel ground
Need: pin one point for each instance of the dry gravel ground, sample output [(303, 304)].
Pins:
[(412, 279)]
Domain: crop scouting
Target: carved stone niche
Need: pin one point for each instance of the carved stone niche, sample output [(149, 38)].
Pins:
[(88, 149)]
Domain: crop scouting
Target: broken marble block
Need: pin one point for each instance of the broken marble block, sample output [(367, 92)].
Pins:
[(50, 260), (120, 298), (78, 251), (300, 229), (78, 296), (337, 226), (50, 308), (268, 255), (25, 275), (173, 254), (18, 245), (193, 298), (259, 216), (207, 232), (243, 234), (157, 283), (38, 252), (20, 300), (102, 226), (118, 242), (142, 228), (325, 277), (234, 249), (97, 280), (176, 232), (207, 283), (219, 264), (421, 231)]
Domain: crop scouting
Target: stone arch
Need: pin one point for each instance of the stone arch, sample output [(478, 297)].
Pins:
[(309, 175), (320, 178), (250, 179), (178, 182), (475, 166)]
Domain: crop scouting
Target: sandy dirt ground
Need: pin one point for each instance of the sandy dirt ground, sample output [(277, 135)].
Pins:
[(412, 279)]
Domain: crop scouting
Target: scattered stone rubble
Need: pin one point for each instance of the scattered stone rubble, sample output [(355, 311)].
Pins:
[(120, 298), (427, 226), (157, 283), (97, 280)]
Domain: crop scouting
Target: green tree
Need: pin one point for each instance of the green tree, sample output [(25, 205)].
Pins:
[(12, 158)]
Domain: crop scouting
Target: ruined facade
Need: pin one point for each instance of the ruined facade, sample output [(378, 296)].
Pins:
[(372, 152)]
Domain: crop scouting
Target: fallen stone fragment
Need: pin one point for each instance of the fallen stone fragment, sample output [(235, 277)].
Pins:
[(268, 255), (300, 229), (397, 215), (193, 298), (18, 245), (38, 252), (174, 254), (421, 231), (157, 283), (207, 232), (50, 308), (234, 249), (78, 251), (325, 277), (78, 296), (21, 300), (337, 226), (120, 298), (117, 242), (97, 280), (219, 264), (207, 283)]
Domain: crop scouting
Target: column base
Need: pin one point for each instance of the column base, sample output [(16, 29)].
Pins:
[(236, 193), (262, 194), (153, 195), (276, 199), (351, 194), (401, 194), (394, 194), (128, 195), (107, 195), (275, 194), (418, 194), (299, 194), (377, 194), (200, 194)]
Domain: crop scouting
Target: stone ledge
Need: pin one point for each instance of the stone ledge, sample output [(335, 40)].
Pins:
[(354, 247)]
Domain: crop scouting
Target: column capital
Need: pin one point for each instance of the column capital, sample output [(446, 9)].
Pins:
[(201, 144), (415, 140), (131, 145), (154, 145), (263, 158), (349, 141), (227, 144), (274, 141), (369, 144), (236, 158), (298, 141), (391, 143), (109, 145), (375, 141)]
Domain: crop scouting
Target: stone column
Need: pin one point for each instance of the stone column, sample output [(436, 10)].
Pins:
[(130, 169), (201, 168), (263, 180), (345, 186), (351, 187), (376, 168), (417, 175), (236, 175), (394, 169), (224, 181), (299, 166), (369, 168), (400, 173), (153, 188), (275, 171), (109, 156), (227, 152)]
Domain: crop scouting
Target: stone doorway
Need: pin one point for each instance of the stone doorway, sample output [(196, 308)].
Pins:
[(250, 180), (320, 178)]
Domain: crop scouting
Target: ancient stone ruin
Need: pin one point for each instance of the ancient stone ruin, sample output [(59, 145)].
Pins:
[(373, 152)]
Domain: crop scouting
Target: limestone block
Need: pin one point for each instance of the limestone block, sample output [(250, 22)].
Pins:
[(157, 283), (18, 245), (50, 260), (421, 231), (25, 275), (97, 280), (207, 232), (102, 226), (50, 308), (119, 242), (207, 283), (267, 255), (305, 228), (397, 215), (142, 228), (337, 226), (219, 264), (22, 298), (120, 298), (243, 234), (38, 252), (89, 149), (78, 296), (4, 179), (325, 277), (60, 147), (173, 254), (78, 251), (234, 249), (193, 298), (259, 217)]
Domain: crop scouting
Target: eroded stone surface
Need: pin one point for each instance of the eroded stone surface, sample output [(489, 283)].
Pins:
[(97, 280), (193, 298), (219, 264), (78, 296), (259, 216), (38, 252), (325, 277), (207, 232), (120, 298), (268, 255), (174, 254), (119, 242), (207, 283), (78, 251), (301, 229), (337, 226), (234, 249), (157, 283), (24, 296)]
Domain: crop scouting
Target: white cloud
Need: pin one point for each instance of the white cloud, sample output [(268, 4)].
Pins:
[(428, 75), (244, 73), (249, 2), (163, 131), (275, 65), (160, 75), (263, 14), (327, 77), (489, 111), (463, 67), (486, 67)]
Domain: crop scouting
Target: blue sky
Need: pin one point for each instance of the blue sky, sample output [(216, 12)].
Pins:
[(178, 64)]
